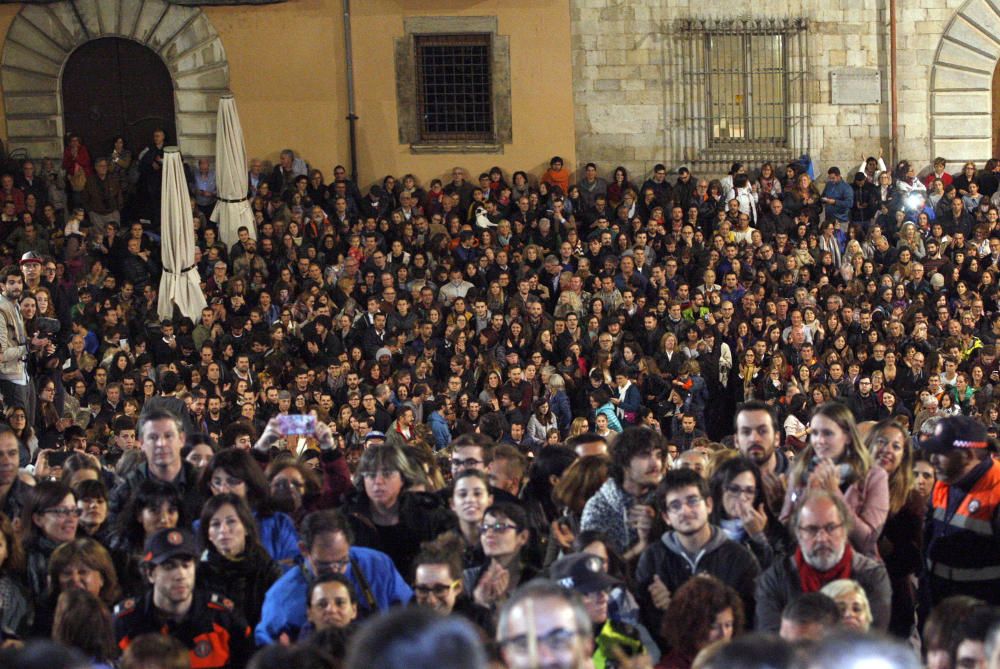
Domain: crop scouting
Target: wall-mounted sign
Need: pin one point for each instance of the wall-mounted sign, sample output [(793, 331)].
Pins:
[(855, 86)]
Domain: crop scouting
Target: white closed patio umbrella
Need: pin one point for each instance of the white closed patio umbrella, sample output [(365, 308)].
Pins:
[(232, 208), (180, 283)]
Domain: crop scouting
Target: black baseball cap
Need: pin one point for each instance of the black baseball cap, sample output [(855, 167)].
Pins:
[(956, 432), (582, 572), (169, 543)]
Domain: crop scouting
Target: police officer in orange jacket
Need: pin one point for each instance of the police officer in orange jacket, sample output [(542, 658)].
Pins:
[(216, 635), (962, 535)]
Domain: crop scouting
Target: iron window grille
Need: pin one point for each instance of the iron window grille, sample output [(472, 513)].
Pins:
[(454, 87), (743, 91)]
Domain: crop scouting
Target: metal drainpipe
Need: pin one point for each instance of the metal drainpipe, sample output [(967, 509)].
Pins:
[(352, 117), (894, 139)]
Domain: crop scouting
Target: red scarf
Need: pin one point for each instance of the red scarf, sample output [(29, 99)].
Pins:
[(811, 580)]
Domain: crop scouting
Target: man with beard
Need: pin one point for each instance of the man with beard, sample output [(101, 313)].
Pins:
[(960, 538), (694, 546), (209, 626), (637, 467), (758, 437), (821, 524), (15, 345)]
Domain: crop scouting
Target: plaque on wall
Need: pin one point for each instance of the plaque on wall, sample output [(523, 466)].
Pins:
[(855, 86)]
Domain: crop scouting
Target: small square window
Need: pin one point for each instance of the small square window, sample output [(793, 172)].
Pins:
[(454, 87)]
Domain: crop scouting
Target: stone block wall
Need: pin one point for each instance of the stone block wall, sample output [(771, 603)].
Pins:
[(628, 59)]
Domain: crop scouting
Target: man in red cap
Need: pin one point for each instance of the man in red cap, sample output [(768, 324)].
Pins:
[(961, 548)]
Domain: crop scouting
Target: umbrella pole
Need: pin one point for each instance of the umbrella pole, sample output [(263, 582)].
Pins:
[(352, 117)]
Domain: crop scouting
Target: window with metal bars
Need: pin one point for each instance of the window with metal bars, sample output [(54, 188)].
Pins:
[(454, 87), (743, 91), (746, 87)]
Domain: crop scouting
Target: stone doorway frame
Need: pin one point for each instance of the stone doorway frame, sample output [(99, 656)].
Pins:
[(961, 96), (42, 37)]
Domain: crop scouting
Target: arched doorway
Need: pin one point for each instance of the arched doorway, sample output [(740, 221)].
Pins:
[(43, 37), (113, 86), (962, 85)]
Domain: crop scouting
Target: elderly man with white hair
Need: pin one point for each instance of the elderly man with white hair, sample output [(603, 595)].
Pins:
[(821, 525)]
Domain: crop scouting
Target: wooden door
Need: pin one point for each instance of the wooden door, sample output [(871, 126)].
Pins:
[(113, 86)]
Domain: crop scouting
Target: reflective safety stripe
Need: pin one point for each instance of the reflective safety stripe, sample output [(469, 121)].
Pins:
[(964, 574), (976, 525), (983, 527)]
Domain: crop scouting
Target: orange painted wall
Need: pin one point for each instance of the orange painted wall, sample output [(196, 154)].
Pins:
[(288, 75)]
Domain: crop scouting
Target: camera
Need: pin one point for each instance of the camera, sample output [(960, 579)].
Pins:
[(48, 327)]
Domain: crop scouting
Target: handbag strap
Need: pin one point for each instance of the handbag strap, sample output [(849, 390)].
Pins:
[(366, 590)]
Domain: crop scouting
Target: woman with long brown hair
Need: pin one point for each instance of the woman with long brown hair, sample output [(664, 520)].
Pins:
[(578, 483), (902, 538), (836, 460)]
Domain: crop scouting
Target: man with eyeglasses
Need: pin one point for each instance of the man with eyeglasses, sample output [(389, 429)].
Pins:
[(474, 451), (863, 402), (821, 524), (437, 582), (325, 545), (545, 625), (694, 546)]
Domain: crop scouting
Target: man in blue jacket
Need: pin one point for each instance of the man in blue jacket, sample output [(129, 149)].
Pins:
[(438, 420), (838, 198), (326, 547)]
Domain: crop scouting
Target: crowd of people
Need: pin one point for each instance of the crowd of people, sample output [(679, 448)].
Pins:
[(548, 420)]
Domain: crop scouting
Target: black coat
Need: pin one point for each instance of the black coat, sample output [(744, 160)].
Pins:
[(245, 581), (422, 517)]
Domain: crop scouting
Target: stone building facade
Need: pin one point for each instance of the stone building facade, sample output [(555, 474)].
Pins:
[(617, 82), (634, 80)]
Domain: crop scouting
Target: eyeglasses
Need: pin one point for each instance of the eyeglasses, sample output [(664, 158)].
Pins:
[(337, 566), (64, 512), (749, 491), (438, 590), (678, 505), (465, 464), (497, 528), (556, 640), (813, 531)]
